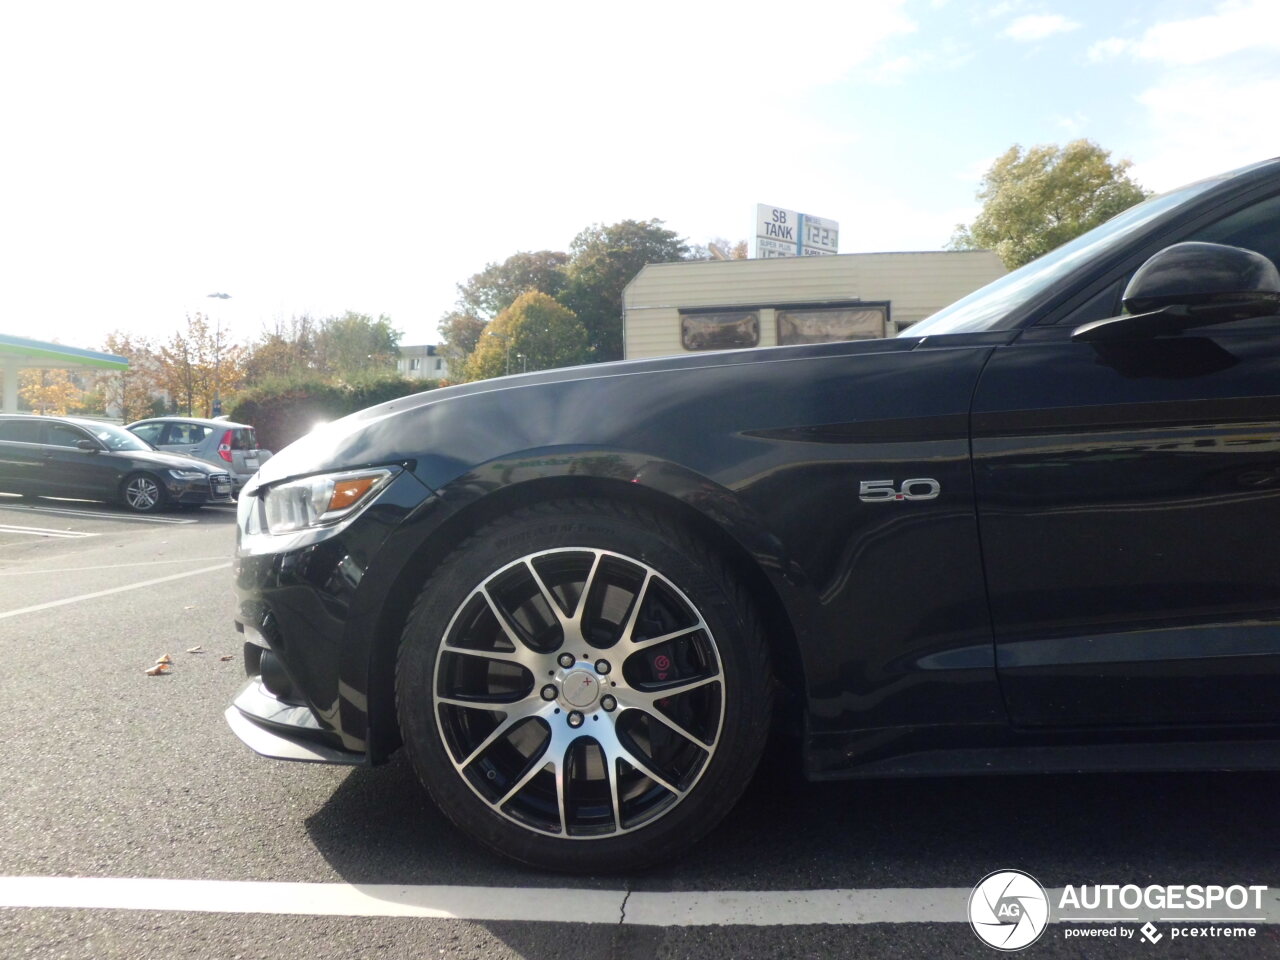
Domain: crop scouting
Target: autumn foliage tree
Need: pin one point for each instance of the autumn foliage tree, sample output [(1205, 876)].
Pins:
[(199, 365), (534, 333), (48, 391), (1038, 199), (130, 393)]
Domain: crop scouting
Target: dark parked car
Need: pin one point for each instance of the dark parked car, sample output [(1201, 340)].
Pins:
[(230, 447), (68, 457), (1030, 534)]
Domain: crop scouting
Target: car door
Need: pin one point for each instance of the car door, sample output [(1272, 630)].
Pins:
[(21, 464), (1129, 498), (75, 471)]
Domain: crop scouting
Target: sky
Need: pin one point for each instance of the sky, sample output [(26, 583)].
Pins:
[(320, 157)]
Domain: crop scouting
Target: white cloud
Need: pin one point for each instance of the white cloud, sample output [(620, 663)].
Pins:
[(1038, 26), (1232, 28), (1201, 125), (1072, 125), (1108, 49)]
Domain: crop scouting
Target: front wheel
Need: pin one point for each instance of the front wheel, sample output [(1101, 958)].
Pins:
[(584, 687), (142, 493)]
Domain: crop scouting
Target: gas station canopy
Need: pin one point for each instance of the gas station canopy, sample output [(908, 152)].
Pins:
[(19, 353)]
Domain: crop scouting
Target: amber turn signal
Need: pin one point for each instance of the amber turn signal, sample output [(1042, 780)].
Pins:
[(349, 492)]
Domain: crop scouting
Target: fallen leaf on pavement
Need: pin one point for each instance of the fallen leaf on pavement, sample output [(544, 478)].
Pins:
[(159, 670), (196, 649), (226, 658), (165, 659)]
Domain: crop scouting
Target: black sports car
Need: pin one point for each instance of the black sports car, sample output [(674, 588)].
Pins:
[(1031, 534), (72, 457)]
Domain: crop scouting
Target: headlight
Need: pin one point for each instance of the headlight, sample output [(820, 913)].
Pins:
[(315, 501), (188, 474)]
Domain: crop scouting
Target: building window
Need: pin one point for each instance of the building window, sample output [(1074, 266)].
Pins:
[(719, 331), (415, 363), (830, 325)]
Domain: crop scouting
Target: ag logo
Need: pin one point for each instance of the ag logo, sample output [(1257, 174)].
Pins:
[(1008, 910)]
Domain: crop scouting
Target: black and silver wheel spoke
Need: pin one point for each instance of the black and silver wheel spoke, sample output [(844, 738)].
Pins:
[(579, 693)]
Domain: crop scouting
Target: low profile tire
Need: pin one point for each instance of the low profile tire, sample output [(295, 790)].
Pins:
[(585, 687), (142, 493)]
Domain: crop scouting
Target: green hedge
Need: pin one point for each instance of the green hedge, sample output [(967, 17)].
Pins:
[(281, 412)]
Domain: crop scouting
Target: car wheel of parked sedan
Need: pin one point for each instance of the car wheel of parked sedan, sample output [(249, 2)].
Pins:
[(583, 686), (142, 493)]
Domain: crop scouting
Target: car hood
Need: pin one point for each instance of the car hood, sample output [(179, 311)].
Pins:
[(460, 426), (175, 461)]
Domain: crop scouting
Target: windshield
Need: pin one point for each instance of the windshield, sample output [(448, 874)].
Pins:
[(116, 438), (985, 308)]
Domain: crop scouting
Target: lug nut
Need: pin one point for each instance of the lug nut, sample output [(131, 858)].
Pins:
[(566, 660), (575, 718), (609, 702), (602, 667), (548, 692)]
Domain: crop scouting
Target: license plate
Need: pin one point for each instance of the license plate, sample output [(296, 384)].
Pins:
[(222, 488), (251, 463)]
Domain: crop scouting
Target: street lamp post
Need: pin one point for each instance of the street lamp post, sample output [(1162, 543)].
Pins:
[(217, 357)]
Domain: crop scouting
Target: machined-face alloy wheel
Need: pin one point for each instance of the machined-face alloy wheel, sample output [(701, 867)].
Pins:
[(584, 687), (142, 493), (579, 693)]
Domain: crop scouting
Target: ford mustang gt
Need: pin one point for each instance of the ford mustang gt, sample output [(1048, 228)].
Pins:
[(1036, 532)]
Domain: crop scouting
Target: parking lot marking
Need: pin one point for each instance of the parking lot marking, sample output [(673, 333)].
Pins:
[(95, 514), (104, 593), (106, 566), (690, 908), (44, 532)]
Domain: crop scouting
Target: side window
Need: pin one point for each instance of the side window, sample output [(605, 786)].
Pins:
[(1255, 228), (831, 324), (20, 431), (719, 331), (149, 432), (61, 435), (186, 434)]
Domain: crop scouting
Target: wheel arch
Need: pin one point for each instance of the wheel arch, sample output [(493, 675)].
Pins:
[(748, 550)]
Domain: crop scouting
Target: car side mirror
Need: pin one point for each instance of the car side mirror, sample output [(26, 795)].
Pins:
[(88, 445), (1191, 285)]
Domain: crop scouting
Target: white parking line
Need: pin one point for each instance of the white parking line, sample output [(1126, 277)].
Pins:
[(94, 514), (710, 908), (104, 593), (104, 566), (694, 908), (44, 532)]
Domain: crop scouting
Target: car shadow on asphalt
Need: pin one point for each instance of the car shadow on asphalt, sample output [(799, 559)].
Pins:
[(379, 826)]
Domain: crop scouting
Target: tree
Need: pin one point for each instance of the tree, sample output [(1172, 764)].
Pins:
[(718, 248), (534, 333), (460, 331), (200, 366), (48, 391), (1035, 201), (130, 393), (285, 351), (355, 345), (497, 286), (604, 261)]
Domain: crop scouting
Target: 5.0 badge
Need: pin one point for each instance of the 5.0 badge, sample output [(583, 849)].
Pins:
[(919, 488)]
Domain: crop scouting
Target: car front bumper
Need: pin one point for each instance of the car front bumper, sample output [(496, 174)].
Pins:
[(215, 488), (309, 604)]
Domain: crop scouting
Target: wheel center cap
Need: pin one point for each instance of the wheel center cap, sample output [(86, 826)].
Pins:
[(580, 689)]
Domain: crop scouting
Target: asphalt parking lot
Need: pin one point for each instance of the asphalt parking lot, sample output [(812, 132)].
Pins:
[(111, 775)]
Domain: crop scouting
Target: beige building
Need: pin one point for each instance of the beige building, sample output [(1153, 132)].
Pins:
[(724, 304)]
